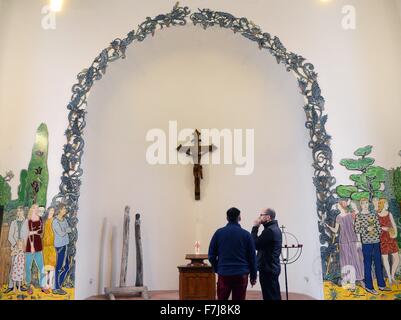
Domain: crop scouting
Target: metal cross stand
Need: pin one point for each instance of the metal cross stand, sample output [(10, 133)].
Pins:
[(290, 253)]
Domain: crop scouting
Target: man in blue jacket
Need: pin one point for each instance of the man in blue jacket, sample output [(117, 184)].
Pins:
[(233, 257), (269, 245)]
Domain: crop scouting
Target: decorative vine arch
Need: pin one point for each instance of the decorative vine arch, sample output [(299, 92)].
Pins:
[(69, 191)]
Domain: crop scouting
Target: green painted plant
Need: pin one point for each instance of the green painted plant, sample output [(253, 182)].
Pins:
[(368, 182), (394, 176), (38, 176), (397, 184), (22, 186), (5, 189), (14, 204), (34, 181)]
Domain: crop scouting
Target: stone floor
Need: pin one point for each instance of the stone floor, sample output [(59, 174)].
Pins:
[(173, 295)]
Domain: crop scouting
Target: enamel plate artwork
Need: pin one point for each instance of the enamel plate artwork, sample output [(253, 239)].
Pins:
[(359, 223)]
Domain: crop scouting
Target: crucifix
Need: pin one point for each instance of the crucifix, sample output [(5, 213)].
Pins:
[(196, 152)]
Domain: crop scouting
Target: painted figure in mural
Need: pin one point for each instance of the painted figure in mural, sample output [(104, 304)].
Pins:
[(34, 249), (350, 248), (49, 252), (61, 240), (18, 265), (17, 237), (368, 227), (388, 240), (42, 211)]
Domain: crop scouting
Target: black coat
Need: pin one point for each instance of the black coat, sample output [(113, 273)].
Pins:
[(269, 245)]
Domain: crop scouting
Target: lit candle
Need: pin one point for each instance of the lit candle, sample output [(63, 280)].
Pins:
[(197, 247)]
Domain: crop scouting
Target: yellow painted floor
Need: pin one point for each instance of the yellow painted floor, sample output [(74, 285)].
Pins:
[(334, 292), (37, 295), (331, 292)]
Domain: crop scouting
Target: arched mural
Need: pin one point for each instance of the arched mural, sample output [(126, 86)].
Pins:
[(63, 211), (179, 16)]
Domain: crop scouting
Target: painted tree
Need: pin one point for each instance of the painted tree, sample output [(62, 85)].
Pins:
[(5, 195), (14, 204), (5, 189), (368, 182), (34, 181), (397, 184), (396, 188)]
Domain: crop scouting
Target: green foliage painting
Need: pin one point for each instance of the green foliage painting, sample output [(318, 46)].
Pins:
[(395, 175), (33, 182), (397, 184), (38, 175), (5, 189), (368, 182)]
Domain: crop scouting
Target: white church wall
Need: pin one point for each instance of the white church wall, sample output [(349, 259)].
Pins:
[(359, 75), (229, 83)]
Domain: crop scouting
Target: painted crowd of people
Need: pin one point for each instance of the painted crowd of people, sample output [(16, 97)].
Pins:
[(367, 238), (41, 238)]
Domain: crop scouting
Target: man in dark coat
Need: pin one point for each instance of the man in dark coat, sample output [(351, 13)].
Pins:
[(233, 257), (268, 245)]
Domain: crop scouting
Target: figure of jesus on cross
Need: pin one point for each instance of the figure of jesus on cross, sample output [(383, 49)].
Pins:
[(196, 152)]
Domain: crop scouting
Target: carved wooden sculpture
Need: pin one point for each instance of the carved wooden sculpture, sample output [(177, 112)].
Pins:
[(139, 255), (124, 256), (124, 290), (196, 152), (101, 255)]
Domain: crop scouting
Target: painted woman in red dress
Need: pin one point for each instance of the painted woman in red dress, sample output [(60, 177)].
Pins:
[(388, 240), (33, 250)]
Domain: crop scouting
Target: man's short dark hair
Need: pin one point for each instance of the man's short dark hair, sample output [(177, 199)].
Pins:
[(233, 214), (271, 213)]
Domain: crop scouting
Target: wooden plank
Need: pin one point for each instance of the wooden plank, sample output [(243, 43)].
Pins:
[(101, 258), (124, 257), (114, 257), (139, 289), (127, 292), (139, 253)]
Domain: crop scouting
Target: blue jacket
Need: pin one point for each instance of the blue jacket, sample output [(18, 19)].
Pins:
[(61, 230), (232, 252)]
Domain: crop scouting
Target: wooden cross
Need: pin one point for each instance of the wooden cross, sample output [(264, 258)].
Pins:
[(196, 152)]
